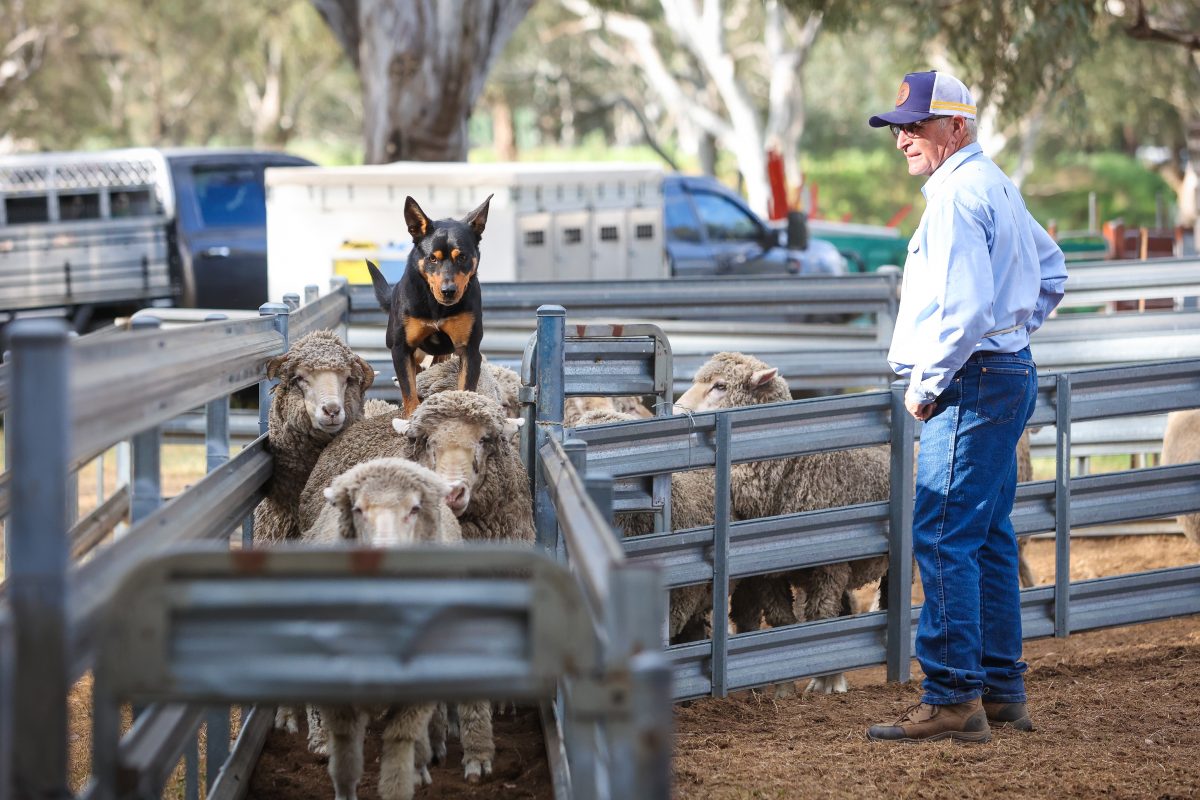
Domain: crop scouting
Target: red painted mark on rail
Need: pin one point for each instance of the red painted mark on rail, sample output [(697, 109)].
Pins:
[(580, 331), (618, 330), (366, 562), (249, 562)]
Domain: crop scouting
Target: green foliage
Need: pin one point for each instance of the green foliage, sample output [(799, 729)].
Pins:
[(1124, 188), (869, 186)]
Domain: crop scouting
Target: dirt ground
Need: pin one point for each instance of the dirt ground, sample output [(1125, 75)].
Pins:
[(287, 771), (1116, 711)]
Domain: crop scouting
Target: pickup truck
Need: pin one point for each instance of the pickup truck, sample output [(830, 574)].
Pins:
[(98, 234), (709, 230)]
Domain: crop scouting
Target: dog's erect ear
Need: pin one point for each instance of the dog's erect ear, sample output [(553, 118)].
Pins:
[(477, 219), (415, 219), (383, 292)]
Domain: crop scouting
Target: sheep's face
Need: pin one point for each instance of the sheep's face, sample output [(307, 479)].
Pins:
[(716, 386), (324, 393), (380, 510), (458, 451)]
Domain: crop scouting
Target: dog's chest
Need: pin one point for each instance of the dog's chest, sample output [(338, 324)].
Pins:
[(457, 328)]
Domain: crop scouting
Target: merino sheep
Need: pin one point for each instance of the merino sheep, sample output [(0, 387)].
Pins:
[(499, 383), (692, 506), (384, 502), (576, 408), (1181, 445), (320, 392), (1024, 474), (465, 438), (789, 486)]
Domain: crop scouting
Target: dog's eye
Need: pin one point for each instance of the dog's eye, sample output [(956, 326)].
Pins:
[(431, 260)]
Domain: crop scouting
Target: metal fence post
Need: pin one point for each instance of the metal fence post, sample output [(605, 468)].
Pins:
[(576, 450), (1062, 506), (339, 283), (885, 318), (39, 439), (280, 312), (216, 445), (638, 752), (550, 377), (311, 293), (146, 486), (900, 557), (292, 301), (720, 614)]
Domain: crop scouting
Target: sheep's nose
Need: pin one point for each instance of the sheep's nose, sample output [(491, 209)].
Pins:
[(332, 409), (457, 491)]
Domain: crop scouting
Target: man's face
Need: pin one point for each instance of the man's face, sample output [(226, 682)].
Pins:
[(931, 143)]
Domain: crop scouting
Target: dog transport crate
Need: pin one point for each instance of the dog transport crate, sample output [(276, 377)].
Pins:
[(545, 221)]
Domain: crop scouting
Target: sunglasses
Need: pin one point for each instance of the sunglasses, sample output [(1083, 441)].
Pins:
[(911, 128)]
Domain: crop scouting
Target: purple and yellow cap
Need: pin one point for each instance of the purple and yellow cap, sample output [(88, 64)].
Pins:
[(927, 94)]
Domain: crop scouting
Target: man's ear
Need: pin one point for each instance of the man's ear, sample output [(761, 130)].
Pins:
[(415, 219)]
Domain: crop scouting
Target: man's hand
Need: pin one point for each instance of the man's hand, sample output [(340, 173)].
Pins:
[(921, 411)]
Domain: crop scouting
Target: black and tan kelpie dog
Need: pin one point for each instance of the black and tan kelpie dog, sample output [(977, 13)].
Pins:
[(436, 306)]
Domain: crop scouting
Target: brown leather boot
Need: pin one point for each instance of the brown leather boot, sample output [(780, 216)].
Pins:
[(1008, 715), (962, 722)]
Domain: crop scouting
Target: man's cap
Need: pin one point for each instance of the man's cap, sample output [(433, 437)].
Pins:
[(927, 94)]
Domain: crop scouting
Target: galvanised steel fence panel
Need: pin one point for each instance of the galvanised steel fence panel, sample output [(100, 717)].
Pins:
[(209, 510), (327, 313), (743, 297), (7, 659), (1096, 282), (122, 385)]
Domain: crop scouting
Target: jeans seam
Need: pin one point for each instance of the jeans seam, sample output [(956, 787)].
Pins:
[(937, 541)]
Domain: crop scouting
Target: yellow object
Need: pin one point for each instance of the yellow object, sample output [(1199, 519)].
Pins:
[(351, 261)]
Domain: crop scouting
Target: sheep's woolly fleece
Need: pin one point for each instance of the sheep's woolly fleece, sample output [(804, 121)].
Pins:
[(500, 507), (294, 443), (1181, 444), (499, 383)]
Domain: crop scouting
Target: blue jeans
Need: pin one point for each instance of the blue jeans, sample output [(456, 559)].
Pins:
[(969, 633)]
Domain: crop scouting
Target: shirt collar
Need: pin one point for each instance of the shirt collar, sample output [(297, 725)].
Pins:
[(948, 166)]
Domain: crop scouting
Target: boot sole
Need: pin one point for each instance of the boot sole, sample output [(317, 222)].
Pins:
[(1024, 724), (962, 737)]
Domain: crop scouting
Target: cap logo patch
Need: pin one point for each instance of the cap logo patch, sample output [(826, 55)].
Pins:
[(902, 95)]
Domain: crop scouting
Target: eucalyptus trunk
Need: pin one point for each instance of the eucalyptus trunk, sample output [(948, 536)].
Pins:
[(422, 65)]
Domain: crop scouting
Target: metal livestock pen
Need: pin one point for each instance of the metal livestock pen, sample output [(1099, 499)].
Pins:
[(169, 616)]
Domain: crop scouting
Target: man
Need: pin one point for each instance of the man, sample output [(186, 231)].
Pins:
[(980, 277)]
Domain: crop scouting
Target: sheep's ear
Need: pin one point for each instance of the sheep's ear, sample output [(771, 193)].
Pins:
[(404, 427), (329, 494), (512, 425), (763, 377), (275, 366), (365, 374)]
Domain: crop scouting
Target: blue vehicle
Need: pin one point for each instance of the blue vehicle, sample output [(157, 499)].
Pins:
[(709, 230)]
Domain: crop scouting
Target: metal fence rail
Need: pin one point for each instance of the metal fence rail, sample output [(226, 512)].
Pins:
[(211, 612), (632, 450)]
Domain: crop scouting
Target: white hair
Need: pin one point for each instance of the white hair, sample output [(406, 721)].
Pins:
[(972, 131)]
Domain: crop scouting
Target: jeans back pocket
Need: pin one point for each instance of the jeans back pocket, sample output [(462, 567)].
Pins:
[(1001, 392)]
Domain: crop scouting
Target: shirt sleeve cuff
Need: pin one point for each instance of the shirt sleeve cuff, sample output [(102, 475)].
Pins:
[(920, 394)]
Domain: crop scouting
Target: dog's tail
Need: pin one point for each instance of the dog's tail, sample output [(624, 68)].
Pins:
[(383, 292)]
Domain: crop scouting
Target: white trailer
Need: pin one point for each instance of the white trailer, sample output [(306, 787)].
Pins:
[(546, 221)]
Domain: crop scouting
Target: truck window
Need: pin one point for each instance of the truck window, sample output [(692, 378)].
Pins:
[(18, 210), (725, 221), (131, 203), (78, 205), (682, 225), (230, 196)]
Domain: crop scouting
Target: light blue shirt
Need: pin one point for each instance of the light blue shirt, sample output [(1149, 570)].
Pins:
[(981, 274)]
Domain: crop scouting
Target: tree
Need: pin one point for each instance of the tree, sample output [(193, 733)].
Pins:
[(422, 65), (732, 69)]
